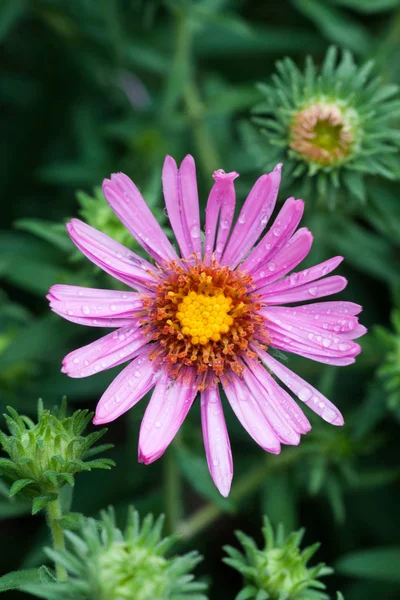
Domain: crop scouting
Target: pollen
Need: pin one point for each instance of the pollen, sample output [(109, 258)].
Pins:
[(204, 318)]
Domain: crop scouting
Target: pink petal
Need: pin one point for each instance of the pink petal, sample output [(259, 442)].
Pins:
[(127, 389), (167, 409), (308, 291), (253, 218), (216, 439), (355, 333), (250, 415), (106, 352), (336, 307), (338, 323), (276, 237), (112, 257), (299, 279), (89, 306), (181, 200), (280, 423), (303, 390), (131, 209), (283, 403), (220, 209), (285, 260)]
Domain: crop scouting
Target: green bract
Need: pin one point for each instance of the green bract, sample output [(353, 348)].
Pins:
[(44, 456), (278, 571), (105, 563), (330, 126)]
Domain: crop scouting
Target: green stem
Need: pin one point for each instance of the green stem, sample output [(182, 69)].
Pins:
[(173, 502), (181, 84), (208, 154), (54, 512), (248, 484)]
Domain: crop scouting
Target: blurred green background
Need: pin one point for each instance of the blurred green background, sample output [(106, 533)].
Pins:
[(90, 87)]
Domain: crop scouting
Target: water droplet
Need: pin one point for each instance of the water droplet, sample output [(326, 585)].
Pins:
[(80, 293), (75, 360), (276, 231), (122, 336), (86, 310), (344, 346), (158, 424), (316, 317), (137, 374), (119, 254), (224, 224), (313, 291), (326, 342), (242, 219), (70, 312), (305, 394), (195, 231), (329, 415), (293, 278), (272, 266), (325, 270), (113, 307), (264, 219), (215, 462), (125, 296)]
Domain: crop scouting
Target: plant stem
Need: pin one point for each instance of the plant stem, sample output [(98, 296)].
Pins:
[(54, 512), (181, 85), (173, 502), (248, 484), (208, 154)]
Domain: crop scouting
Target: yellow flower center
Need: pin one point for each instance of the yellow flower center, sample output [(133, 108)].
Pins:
[(204, 318)]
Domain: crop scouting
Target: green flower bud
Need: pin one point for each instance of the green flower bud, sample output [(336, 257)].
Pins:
[(44, 456), (104, 563), (329, 127), (279, 571)]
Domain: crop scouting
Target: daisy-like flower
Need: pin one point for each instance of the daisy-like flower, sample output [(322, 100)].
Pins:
[(207, 317)]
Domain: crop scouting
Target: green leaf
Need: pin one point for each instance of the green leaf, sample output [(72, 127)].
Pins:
[(72, 520), (367, 6), (41, 501), (54, 233), (336, 25), (17, 579), (365, 250), (19, 485), (380, 564)]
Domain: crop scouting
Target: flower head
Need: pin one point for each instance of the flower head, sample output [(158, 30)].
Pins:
[(279, 571), (44, 456), (331, 125), (105, 563), (208, 317)]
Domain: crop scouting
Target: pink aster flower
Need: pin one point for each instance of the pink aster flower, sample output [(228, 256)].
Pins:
[(207, 317)]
